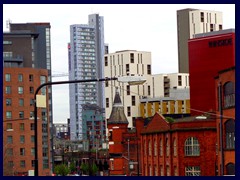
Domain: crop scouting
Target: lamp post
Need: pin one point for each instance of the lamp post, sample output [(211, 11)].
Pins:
[(131, 80)]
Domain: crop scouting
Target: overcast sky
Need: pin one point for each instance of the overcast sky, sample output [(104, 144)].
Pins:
[(147, 27)]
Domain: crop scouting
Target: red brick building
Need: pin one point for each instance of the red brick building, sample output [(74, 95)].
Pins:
[(182, 148), (225, 95), (209, 53), (19, 85)]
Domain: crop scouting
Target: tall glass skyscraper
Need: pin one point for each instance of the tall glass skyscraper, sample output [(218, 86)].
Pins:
[(86, 53)]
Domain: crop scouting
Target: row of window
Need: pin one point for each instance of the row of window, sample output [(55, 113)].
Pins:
[(23, 164), (20, 115), (22, 138), (20, 78), (20, 102), (8, 90), (191, 147)]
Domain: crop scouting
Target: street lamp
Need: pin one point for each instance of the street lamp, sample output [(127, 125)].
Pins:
[(131, 80)]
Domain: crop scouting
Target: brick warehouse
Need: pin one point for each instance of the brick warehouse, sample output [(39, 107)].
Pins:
[(226, 136), (155, 147), (183, 148)]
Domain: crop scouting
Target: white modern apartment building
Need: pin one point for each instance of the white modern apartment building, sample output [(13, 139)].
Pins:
[(86, 52), (191, 22), (171, 85), (122, 63)]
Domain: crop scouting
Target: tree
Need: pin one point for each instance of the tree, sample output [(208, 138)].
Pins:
[(84, 168), (94, 169), (72, 167), (62, 170), (169, 119)]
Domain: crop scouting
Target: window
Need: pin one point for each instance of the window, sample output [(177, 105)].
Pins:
[(129, 111), (133, 101), (192, 147), (9, 126), (155, 148), (167, 147), (131, 57), (149, 90), (22, 151), (106, 83), (8, 89), (21, 102), (31, 90), (220, 27), (145, 148), (21, 114), (192, 171), (45, 164), (179, 80), (8, 102), (149, 148), (106, 61), (7, 77), (128, 90), (10, 151), (22, 126), (22, 139), (32, 151), (31, 102), (32, 139), (127, 68), (149, 69), (107, 102), (174, 147), (33, 163), (175, 171), (10, 164), (22, 163), (230, 169), (20, 78), (202, 16), (30, 78), (161, 147), (20, 90), (9, 139), (230, 134), (168, 170), (32, 126), (229, 95), (9, 114), (211, 27)]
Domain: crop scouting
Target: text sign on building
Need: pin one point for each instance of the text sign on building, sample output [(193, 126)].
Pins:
[(219, 43)]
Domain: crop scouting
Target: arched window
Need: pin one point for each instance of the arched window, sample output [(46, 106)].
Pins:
[(161, 147), (145, 147), (149, 148), (230, 134), (229, 95), (192, 147), (174, 147), (167, 147), (155, 147), (230, 169)]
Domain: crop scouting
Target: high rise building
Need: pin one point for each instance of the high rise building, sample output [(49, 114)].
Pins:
[(124, 63), (189, 23), (27, 64), (86, 51)]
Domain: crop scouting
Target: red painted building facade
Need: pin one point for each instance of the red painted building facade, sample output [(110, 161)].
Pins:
[(209, 53)]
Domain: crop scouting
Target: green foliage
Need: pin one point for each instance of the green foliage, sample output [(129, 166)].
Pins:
[(85, 168), (72, 167), (169, 119), (94, 169), (61, 170)]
